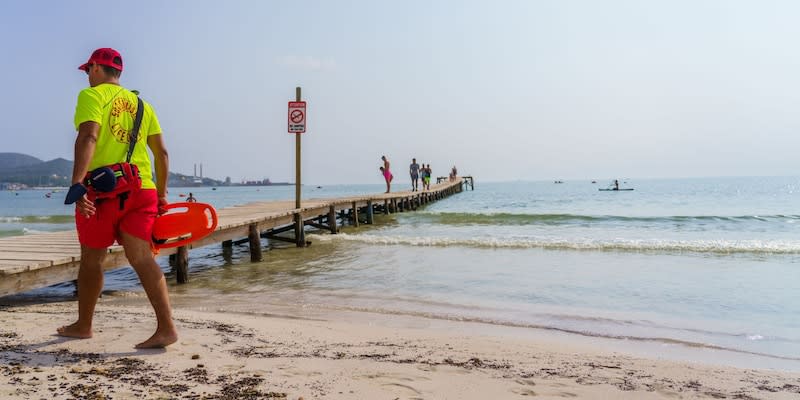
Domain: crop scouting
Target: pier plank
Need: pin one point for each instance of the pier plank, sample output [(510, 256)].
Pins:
[(30, 246), (11, 269), (76, 251)]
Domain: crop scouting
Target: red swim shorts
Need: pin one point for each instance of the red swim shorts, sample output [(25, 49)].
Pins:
[(136, 217)]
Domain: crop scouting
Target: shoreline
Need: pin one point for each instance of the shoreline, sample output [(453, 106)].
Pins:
[(288, 356)]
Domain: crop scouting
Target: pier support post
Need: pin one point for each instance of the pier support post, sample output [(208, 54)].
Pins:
[(386, 207), (255, 243), (355, 214), (332, 220), (299, 231), (227, 251), (370, 213), (182, 264)]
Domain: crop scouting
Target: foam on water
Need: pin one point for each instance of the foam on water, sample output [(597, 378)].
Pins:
[(39, 219), (634, 245)]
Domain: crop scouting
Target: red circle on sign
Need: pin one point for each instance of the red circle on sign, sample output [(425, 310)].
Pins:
[(296, 116)]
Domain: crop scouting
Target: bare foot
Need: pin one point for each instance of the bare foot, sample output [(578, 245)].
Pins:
[(74, 331), (159, 340)]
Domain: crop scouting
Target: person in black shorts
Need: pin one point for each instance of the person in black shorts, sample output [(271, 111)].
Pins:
[(413, 170)]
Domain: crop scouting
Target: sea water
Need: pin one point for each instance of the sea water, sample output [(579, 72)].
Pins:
[(687, 263)]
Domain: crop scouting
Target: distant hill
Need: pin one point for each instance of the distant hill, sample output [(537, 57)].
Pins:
[(31, 171), (14, 160)]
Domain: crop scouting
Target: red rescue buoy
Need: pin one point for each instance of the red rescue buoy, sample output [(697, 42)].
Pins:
[(183, 223)]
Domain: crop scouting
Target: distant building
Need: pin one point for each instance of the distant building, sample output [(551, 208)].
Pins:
[(12, 186), (264, 182)]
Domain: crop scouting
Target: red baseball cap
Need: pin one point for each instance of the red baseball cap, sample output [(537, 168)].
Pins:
[(105, 56)]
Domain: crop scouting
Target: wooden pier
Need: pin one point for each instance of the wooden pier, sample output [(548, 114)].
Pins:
[(40, 260)]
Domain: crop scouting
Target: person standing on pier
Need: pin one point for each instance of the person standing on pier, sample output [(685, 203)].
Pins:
[(426, 180), (387, 174), (413, 169), (105, 116)]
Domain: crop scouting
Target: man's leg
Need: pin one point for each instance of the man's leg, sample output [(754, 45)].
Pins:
[(155, 285), (90, 285)]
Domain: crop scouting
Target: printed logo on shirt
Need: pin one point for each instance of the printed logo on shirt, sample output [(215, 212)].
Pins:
[(123, 112)]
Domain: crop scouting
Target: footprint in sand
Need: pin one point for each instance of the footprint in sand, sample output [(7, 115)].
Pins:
[(427, 368), (402, 386), (523, 392)]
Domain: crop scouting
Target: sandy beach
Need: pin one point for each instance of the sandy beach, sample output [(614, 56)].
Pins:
[(240, 356)]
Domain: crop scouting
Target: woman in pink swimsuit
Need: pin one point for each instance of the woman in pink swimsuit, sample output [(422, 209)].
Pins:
[(387, 175)]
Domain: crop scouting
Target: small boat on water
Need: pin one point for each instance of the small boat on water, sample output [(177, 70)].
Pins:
[(614, 187)]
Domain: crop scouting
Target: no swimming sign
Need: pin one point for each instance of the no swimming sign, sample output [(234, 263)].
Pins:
[(297, 117)]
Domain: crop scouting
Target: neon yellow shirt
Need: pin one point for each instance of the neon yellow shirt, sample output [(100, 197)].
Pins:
[(114, 108)]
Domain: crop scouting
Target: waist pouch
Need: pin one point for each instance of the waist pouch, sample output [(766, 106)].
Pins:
[(113, 180)]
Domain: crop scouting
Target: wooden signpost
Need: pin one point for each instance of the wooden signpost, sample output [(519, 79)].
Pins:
[(297, 125)]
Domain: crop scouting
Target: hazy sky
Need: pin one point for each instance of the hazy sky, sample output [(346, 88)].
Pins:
[(506, 90)]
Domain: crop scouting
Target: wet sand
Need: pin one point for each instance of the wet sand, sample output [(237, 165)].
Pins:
[(239, 356)]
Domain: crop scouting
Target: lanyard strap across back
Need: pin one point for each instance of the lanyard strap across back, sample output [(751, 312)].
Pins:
[(137, 123)]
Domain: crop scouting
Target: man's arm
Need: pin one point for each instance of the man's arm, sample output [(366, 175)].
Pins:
[(84, 149), (156, 144), (85, 144)]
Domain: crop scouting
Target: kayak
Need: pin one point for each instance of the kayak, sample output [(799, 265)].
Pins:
[(615, 190)]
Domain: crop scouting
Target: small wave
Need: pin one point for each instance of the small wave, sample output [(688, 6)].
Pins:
[(449, 218), (696, 246), (39, 219), (27, 231), (13, 232)]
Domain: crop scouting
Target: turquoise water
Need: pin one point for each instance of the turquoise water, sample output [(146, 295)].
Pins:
[(709, 263)]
